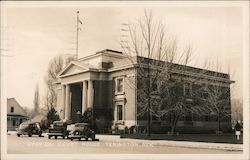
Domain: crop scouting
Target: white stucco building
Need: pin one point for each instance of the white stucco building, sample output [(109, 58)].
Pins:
[(104, 81)]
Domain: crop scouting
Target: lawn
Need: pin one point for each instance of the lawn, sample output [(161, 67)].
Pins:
[(211, 138)]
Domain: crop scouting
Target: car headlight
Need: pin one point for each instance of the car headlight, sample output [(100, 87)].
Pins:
[(77, 133)]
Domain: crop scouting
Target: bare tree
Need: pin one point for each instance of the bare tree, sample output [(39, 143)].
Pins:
[(237, 110), (153, 53), (28, 111), (217, 102), (177, 97), (55, 66), (215, 96), (36, 102)]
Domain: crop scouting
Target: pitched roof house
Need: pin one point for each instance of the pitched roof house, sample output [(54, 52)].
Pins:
[(15, 114)]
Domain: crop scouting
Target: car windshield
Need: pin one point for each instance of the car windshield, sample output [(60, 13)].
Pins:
[(23, 126), (58, 124), (80, 125), (70, 127)]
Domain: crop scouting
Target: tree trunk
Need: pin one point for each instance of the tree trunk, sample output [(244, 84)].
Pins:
[(173, 127), (149, 123), (219, 124), (149, 104), (218, 127)]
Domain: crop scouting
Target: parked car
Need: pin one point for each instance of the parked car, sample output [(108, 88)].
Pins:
[(29, 128), (82, 130), (58, 129)]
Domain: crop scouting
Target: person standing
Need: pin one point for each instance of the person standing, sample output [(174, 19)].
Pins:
[(237, 130)]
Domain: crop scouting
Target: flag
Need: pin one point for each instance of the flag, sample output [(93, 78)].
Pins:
[(79, 21), (78, 17)]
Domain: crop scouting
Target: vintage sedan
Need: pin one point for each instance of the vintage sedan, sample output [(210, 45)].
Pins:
[(82, 130), (29, 128), (58, 129)]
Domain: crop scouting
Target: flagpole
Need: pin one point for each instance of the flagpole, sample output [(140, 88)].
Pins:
[(77, 30)]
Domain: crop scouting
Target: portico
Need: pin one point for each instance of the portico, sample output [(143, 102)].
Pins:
[(73, 93), (90, 82)]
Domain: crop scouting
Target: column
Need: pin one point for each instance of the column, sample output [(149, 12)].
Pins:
[(90, 94), (18, 121), (84, 96), (63, 102), (67, 106), (10, 124), (115, 114)]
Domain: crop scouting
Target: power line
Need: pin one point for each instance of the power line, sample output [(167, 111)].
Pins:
[(124, 36)]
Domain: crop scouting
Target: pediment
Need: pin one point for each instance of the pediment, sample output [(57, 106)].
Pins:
[(73, 68)]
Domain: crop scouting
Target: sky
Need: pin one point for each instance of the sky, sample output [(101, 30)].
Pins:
[(34, 35)]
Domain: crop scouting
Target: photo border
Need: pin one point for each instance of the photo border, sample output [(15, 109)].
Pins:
[(78, 4)]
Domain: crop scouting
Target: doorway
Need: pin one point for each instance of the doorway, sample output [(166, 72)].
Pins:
[(76, 101)]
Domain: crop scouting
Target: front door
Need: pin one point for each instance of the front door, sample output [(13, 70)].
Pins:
[(76, 101)]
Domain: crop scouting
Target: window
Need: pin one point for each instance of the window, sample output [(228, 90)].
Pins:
[(119, 112), (154, 87), (187, 89), (207, 118), (119, 85), (14, 122), (154, 118), (205, 95), (12, 109), (179, 89), (189, 117)]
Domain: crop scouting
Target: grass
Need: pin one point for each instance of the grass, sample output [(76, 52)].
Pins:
[(210, 138)]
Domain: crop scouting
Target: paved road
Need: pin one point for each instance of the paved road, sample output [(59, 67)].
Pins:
[(42, 145)]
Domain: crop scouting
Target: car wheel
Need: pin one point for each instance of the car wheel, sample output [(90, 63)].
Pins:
[(40, 135), (63, 137), (30, 135), (18, 135), (71, 139), (86, 138), (55, 137), (49, 137)]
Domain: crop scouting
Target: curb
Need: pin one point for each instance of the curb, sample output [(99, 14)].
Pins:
[(170, 143), (204, 145)]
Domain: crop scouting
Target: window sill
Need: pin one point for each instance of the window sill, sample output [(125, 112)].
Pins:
[(119, 122), (119, 93)]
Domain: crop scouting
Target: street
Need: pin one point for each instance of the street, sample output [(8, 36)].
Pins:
[(42, 145)]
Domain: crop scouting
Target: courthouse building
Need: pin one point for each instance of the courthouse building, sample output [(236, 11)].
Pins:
[(102, 81)]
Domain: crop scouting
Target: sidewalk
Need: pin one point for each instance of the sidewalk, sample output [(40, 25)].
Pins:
[(15, 133), (11, 132), (171, 143)]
